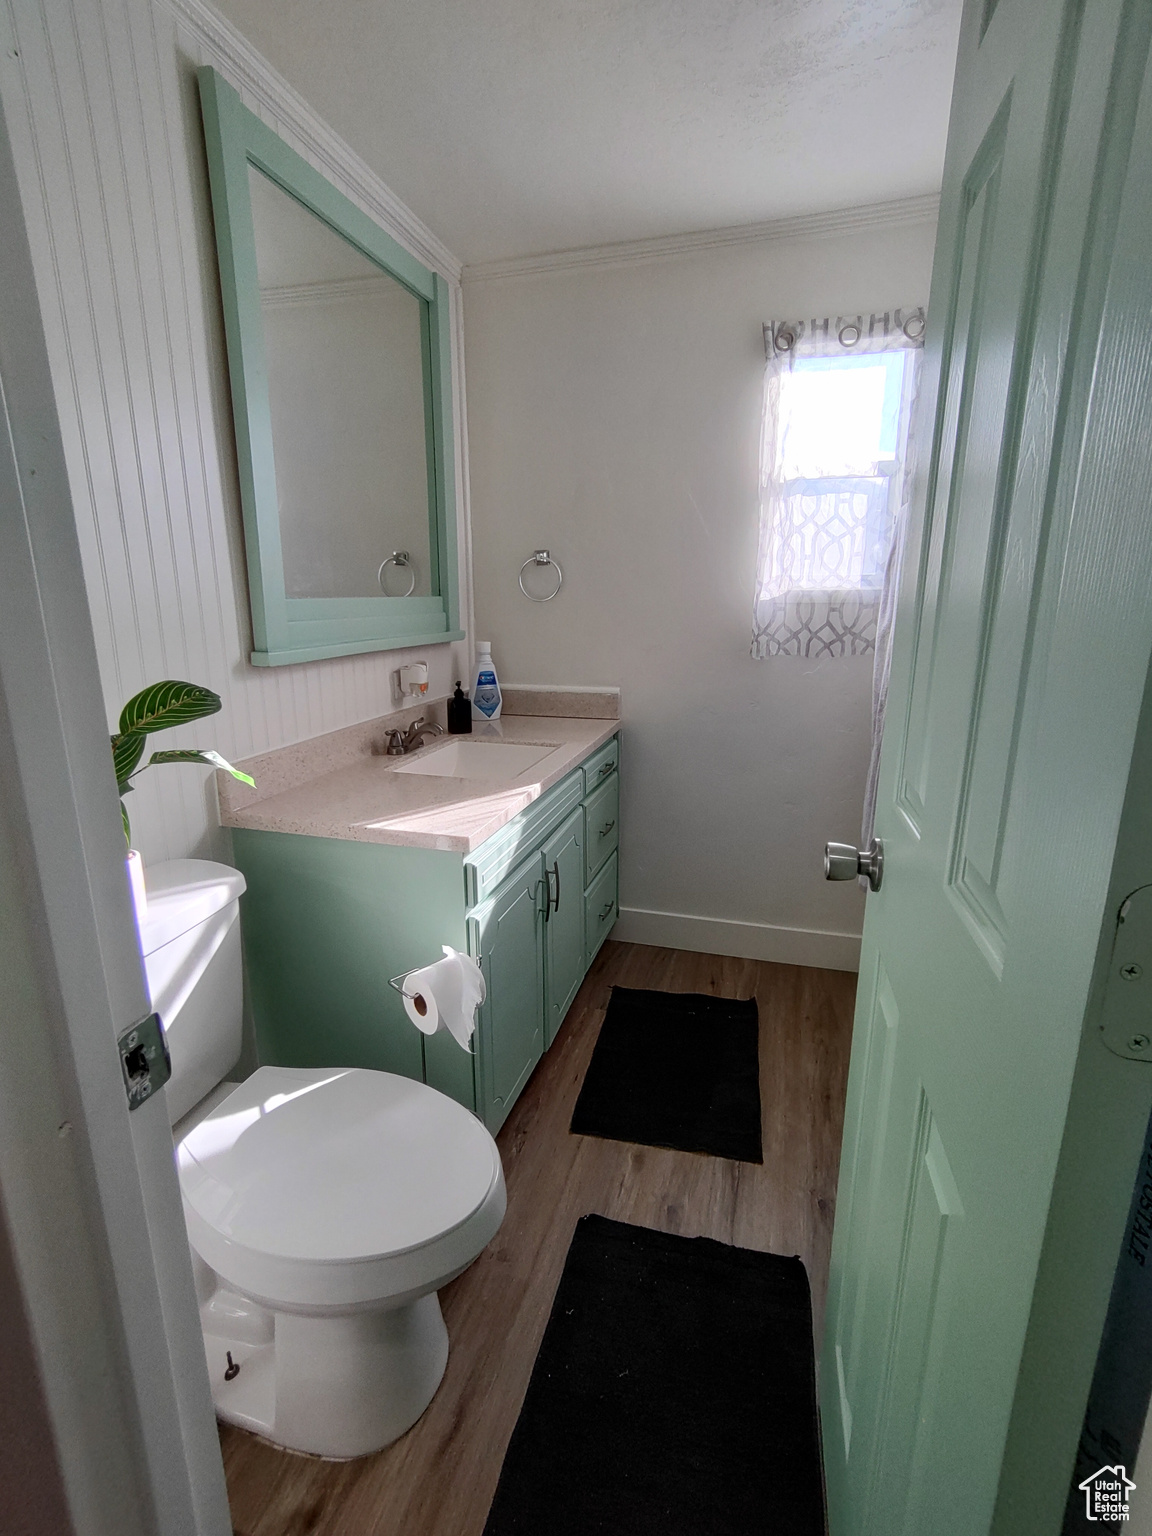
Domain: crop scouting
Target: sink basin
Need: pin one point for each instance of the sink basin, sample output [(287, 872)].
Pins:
[(477, 760)]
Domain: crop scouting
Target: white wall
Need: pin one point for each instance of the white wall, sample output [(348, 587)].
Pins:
[(102, 110), (614, 418)]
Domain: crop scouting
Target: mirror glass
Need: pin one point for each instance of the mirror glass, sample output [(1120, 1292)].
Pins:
[(344, 347)]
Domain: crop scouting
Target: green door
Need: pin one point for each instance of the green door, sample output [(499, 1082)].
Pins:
[(1019, 667), (506, 935), (564, 920)]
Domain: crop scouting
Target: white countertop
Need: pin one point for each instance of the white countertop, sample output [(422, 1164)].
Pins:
[(369, 802)]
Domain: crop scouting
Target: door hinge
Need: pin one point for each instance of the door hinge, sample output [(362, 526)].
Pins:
[(1126, 1015), (144, 1059)]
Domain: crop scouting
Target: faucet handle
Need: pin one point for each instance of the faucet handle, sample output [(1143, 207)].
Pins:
[(395, 744)]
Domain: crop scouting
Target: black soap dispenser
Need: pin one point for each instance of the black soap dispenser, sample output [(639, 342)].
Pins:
[(459, 713)]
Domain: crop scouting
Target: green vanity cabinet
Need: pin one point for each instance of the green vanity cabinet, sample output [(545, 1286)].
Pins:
[(328, 922), (563, 920), (323, 920)]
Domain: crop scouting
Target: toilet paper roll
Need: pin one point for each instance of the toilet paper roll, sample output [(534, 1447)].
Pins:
[(445, 995)]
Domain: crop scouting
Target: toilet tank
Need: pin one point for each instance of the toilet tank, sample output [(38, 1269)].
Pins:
[(190, 938)]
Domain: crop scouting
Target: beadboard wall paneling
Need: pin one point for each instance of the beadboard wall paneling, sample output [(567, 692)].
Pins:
[(101, 104)]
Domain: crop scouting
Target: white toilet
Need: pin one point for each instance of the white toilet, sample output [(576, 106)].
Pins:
[(325, 1205)]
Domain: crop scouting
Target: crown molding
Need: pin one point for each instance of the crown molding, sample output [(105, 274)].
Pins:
[(805, 226), (270, 95)]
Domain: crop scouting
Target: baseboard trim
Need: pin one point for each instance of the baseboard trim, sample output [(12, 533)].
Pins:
[(747, 941)]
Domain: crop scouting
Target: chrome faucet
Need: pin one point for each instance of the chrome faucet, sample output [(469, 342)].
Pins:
[(400, 742), (414, 736)]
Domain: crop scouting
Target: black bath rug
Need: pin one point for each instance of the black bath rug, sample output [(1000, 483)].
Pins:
[(674, 1395), (676, 1069)]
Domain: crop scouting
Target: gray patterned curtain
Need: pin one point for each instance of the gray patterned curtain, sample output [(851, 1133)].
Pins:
[(838, 402)]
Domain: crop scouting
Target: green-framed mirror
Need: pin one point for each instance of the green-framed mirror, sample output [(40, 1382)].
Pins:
[(340, 361)]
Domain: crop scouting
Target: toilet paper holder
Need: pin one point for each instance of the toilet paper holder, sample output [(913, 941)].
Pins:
[(446, 996), (413, 997), (397, 982)]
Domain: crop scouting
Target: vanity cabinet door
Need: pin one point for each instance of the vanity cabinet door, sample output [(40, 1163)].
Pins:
[(563, 921), (506, 934)]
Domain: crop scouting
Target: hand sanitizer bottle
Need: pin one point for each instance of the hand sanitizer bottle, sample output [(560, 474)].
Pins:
[(486, 698)]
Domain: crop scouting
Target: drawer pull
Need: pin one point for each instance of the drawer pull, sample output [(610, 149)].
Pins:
[(606, 910), (604, 831), (605, 768)]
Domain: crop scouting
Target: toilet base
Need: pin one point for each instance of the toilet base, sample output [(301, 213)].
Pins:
[(334, 1386)]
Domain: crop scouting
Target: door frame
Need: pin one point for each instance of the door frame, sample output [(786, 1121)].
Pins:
[(88, 1192)]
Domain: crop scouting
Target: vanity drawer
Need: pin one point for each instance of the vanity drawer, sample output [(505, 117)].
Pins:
[(602, 763), (601, 826), (600, 909), (488, 865)]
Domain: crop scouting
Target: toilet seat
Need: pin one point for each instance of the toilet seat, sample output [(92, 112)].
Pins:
[(322, 1189)]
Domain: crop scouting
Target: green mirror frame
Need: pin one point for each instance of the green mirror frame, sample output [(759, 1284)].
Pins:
[(286, 629)]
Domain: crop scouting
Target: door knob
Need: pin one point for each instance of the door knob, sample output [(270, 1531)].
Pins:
[(844, 862)]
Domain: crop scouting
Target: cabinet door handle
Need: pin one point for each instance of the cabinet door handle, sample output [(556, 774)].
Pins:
[(556, 867), (551, 905), (604, 831)]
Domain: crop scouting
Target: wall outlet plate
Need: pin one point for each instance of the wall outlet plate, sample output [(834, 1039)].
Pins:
[(144, 1059)]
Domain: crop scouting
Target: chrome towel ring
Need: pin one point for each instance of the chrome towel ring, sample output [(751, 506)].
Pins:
[(541, 557), (401, 559)]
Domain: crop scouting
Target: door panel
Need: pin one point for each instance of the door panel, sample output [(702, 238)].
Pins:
[(979, 949), (863, 1162), (964, 383), (929, 1209), (564, 924)]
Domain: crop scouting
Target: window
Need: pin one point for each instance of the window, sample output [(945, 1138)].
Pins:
[(838, 400)]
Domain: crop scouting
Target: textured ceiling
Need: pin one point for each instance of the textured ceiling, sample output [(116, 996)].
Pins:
[(513, 127)]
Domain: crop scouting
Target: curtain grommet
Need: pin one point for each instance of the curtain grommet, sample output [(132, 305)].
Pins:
[(848, 340), (913, 327), (784, 339)]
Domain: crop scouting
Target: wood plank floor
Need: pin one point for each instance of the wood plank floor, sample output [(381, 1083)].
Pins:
[(438, 1480)]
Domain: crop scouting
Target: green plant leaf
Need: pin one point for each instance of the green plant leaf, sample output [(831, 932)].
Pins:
[(127, 828), (193, 755), (167, 704), (126, 753)]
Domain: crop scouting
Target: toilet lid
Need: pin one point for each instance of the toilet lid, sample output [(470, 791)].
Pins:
[(335, 1164)]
